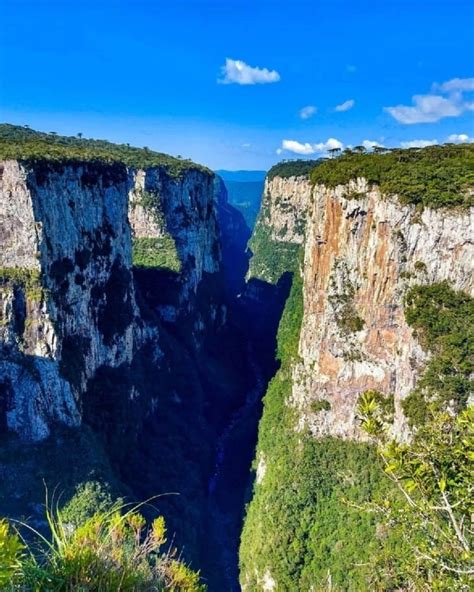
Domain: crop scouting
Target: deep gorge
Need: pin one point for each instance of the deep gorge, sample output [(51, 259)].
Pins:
[(142, 323)]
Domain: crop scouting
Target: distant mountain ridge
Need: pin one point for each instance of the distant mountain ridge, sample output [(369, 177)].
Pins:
[(242, 176), (245, 189)]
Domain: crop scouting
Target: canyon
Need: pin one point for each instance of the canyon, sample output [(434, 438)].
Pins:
[(142, 323)]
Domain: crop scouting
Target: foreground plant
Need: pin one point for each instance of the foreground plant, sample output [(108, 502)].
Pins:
[(11, 554), (434, 473), (112, 551)]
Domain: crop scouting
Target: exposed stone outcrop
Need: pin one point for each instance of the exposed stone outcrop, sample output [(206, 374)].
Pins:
[(285, 203), (361, 256), (67, 295), (68, 299), (183, 208)]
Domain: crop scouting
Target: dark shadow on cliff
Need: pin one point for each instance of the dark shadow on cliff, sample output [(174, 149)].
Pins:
[(256, 313)]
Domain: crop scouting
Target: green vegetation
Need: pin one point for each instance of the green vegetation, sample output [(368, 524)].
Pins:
[(292, 168), (420, 266), (90, 497), (306, 524), (270, 258), (290, 325), (443, 320), (156, 252), (111, 551), (325, 514), (28, 279), (17, 142), (321, 405), (436, 176), (342, 301), (432, 518), (11, 550)]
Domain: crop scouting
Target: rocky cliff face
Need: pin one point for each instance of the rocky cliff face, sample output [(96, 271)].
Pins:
[(181, 208), (361, 256), (280, 226), (285, 203), (362, 252), (343, 331), (68, 303)]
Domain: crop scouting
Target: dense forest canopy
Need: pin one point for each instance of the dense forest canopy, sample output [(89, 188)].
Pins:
[(435, 176), (292, 168), (22, 143)]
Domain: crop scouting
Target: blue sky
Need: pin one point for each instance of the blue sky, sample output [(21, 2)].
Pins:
[(150, 73)]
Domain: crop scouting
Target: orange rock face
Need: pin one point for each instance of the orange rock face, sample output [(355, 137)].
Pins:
[(361, 256)]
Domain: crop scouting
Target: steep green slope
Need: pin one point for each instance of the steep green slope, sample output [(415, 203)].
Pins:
[(305, 525), (270, 259)]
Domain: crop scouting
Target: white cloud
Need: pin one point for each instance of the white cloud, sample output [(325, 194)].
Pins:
[(418, 143), (459, 139), (432, 107), (297, 147), (246, 145), (329, 145), (306, 149), (345, 106), (238, 72), (426, 109), (369, 144), (456, 85), (308, 112)]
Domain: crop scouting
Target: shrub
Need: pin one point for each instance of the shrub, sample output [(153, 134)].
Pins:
[(432, 516), (28, 279), (111, 551), (321, 405), (90, 497), (11, 554)]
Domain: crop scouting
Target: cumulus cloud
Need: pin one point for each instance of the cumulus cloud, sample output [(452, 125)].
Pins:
[(445, 100), (369, 144), (418, 143), (460, 139), (307, 149), (456, 85), (297, 147), (308, 111), (345, 106), (238, 72), (425, 109)]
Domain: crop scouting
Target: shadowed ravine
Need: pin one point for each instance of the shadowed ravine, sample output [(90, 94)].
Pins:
[(258, 311), (231, 480)]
